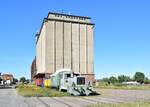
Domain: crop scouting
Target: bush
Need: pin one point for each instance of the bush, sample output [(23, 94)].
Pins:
[(123, 78), (147, 81), (33, 91), (118, 84), (113, 80), (139, 77)]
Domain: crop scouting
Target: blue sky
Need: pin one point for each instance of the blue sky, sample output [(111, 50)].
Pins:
[(122, 33)]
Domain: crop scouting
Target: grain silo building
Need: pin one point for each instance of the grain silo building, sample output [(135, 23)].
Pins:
[(65, 41)]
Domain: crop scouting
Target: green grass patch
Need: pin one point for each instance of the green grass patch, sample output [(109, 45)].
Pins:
[(33, 91), (133, 104), (104, 85)]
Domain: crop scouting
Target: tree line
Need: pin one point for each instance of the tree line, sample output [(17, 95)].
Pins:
[(138, 77), (24, 80)]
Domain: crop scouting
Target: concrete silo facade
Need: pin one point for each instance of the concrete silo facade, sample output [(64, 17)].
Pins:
[(65, 41)]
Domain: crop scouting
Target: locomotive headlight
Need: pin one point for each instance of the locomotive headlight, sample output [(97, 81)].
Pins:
[(66, 81)]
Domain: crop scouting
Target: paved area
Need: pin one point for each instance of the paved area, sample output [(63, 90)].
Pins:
[(9, 97)]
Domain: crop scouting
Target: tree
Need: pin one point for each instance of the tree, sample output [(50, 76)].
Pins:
[(113, 79), (123, 78), (15, 80), (27, 81), (106, 80), (139, 77), (0, 80), (146, 81), (22, 79)]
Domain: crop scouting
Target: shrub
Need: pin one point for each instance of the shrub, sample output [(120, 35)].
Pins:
[(33, 91)]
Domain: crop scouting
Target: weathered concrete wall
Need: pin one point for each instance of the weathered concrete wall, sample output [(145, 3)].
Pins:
[(83, 49), (90, 50), (59, 45), (75, 47), (43, 38), (67, 45), (50, 47), (40, 48)]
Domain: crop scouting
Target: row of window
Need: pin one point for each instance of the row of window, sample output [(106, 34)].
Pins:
[(72, 17)]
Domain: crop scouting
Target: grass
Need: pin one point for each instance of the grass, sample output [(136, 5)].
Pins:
[(104, 85), (133, 104), (33, 91)]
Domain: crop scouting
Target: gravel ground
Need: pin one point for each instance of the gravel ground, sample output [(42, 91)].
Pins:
[(9, 97), (126, 95)]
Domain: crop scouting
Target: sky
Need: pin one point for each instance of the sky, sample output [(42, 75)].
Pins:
[(121, 34)]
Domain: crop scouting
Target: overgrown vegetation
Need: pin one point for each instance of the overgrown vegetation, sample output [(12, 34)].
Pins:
[(139, 77), (117, 82), (133, 104), (105, 85), (23, 80), (33, 91)]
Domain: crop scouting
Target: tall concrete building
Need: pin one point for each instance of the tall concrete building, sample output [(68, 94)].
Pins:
[(65, 41), (33, 69)]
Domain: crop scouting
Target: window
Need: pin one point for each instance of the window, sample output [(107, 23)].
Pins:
[(80, 80), (67, 76)]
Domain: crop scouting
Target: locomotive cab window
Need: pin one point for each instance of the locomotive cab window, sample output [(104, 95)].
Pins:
[(67, 76), (80, 80)]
